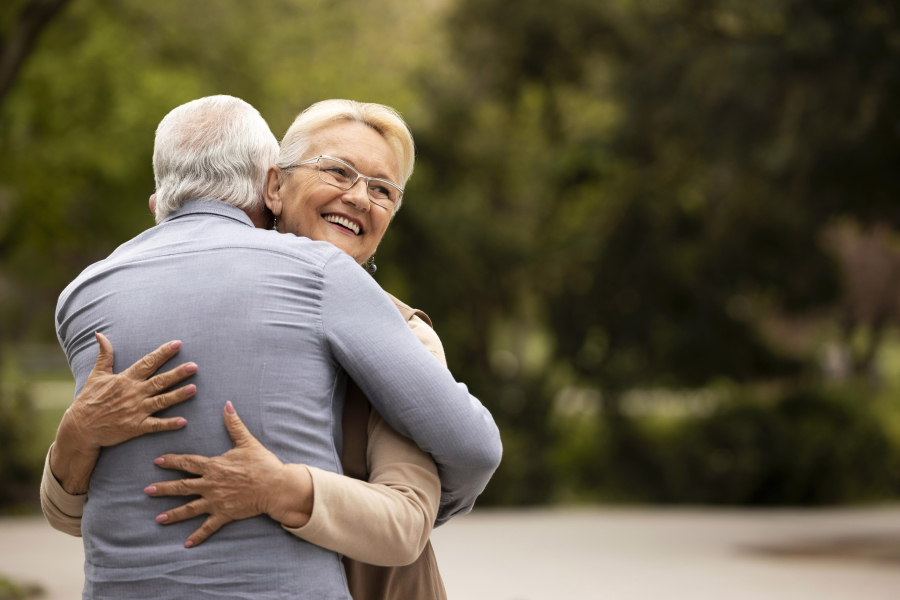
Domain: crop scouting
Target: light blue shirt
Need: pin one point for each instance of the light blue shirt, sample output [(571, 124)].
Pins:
[(275, 322)]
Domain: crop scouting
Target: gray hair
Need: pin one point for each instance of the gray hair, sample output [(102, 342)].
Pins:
[(383, 119), (215, 147)]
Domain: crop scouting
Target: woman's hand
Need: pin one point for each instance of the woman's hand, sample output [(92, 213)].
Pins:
[(242, 483), (114, 408), (111, 409)]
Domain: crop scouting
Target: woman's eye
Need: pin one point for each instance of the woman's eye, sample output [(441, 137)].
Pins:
[(337, 171), (380, 190)]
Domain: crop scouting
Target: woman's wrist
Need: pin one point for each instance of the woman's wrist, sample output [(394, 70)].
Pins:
[(73, 437), (290, 501), (72, 461)]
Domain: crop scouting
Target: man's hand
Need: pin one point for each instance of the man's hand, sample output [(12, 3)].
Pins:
[(242, 483), (111, 409)]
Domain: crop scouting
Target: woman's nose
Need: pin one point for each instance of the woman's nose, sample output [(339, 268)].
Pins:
[(358, 195)]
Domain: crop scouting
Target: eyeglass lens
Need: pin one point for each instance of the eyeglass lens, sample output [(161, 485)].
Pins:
[(337, 174)]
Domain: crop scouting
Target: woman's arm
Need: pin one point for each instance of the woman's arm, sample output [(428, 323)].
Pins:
[(62, 510), (110, 409)]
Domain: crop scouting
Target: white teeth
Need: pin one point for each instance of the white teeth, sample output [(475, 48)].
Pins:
[(344, 222)]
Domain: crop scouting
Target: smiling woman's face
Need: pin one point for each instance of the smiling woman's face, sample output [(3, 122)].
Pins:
[(307, 206)]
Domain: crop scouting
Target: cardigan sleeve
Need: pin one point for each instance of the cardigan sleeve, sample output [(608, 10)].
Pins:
[(62, 510)]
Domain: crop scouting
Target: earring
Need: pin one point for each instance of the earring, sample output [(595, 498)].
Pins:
[(274, 222), (369, 265)]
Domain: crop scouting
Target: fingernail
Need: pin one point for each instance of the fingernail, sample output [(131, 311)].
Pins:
[(162, 518), (159, 461), (190, 389), (175, 345), (229, 408), (190, 368), (188, 544), (181, 422), (150, 489)]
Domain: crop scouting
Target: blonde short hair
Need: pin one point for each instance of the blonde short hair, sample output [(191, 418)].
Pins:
[(383, 119)]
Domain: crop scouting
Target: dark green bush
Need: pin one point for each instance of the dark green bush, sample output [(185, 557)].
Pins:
[(20, 472), (810, 448)]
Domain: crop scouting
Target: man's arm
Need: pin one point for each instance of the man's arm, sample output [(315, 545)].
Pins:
[(384, 522), (417, 396), (388, 521)]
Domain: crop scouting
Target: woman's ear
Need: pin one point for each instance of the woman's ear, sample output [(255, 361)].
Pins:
[(273, 190)]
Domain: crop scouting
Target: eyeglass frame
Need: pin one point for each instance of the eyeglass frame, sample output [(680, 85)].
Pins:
[(358, 177)]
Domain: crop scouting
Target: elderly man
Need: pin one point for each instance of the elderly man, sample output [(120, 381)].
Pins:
[(275, 320)]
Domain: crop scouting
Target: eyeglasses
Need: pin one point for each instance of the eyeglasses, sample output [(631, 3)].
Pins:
[(336, 172)]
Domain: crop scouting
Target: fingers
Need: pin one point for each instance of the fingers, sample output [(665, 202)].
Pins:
[(184, 512), (157, 403), (179, 487), (239, 433), (183, 462), (164, 381), (155, 425), (104, 362), (212, 524), (148, 365)]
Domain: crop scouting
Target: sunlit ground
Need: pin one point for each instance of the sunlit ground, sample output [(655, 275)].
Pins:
[(615, 554)]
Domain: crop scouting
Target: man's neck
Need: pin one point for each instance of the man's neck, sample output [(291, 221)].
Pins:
[(259, 217)]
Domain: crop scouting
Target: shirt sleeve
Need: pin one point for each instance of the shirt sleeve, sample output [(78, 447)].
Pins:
[(62, 510), (384, 522), (417, 396), (387, 521)]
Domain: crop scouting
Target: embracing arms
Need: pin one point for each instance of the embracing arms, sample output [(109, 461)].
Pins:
[(385, 522), (416, 395), (111, 409)]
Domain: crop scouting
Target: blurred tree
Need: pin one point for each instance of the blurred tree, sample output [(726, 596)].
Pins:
[(76, 132), (18, 37), (607, 195), (643, 178)]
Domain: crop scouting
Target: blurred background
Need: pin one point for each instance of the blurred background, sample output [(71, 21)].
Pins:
[(658, 238)]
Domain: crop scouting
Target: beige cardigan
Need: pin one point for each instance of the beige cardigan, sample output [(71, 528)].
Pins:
[(385, 521)]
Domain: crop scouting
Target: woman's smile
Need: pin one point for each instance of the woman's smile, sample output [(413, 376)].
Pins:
[(307, 206), (345, 224)]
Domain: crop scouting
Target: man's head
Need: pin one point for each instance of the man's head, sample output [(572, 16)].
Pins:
[(215, 147)]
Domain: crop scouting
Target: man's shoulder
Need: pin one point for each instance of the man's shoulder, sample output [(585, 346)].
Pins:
[(172, 240), (300, 248), (236, 243)]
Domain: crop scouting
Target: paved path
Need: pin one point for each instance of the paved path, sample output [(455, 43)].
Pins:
[(627, 554)]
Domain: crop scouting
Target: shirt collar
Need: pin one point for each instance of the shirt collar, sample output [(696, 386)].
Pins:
[(210, 206)]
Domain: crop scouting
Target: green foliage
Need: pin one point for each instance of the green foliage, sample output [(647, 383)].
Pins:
[(809, 448), (10, 590), (20, 469), (606, 197)]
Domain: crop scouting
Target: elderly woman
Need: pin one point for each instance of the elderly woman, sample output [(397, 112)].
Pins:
[(339, 178)]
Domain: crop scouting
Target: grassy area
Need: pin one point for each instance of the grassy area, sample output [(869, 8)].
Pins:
[(9, 590)]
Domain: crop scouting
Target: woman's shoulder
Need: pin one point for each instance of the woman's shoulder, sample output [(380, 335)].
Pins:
[(422, 327), (409, 312)]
